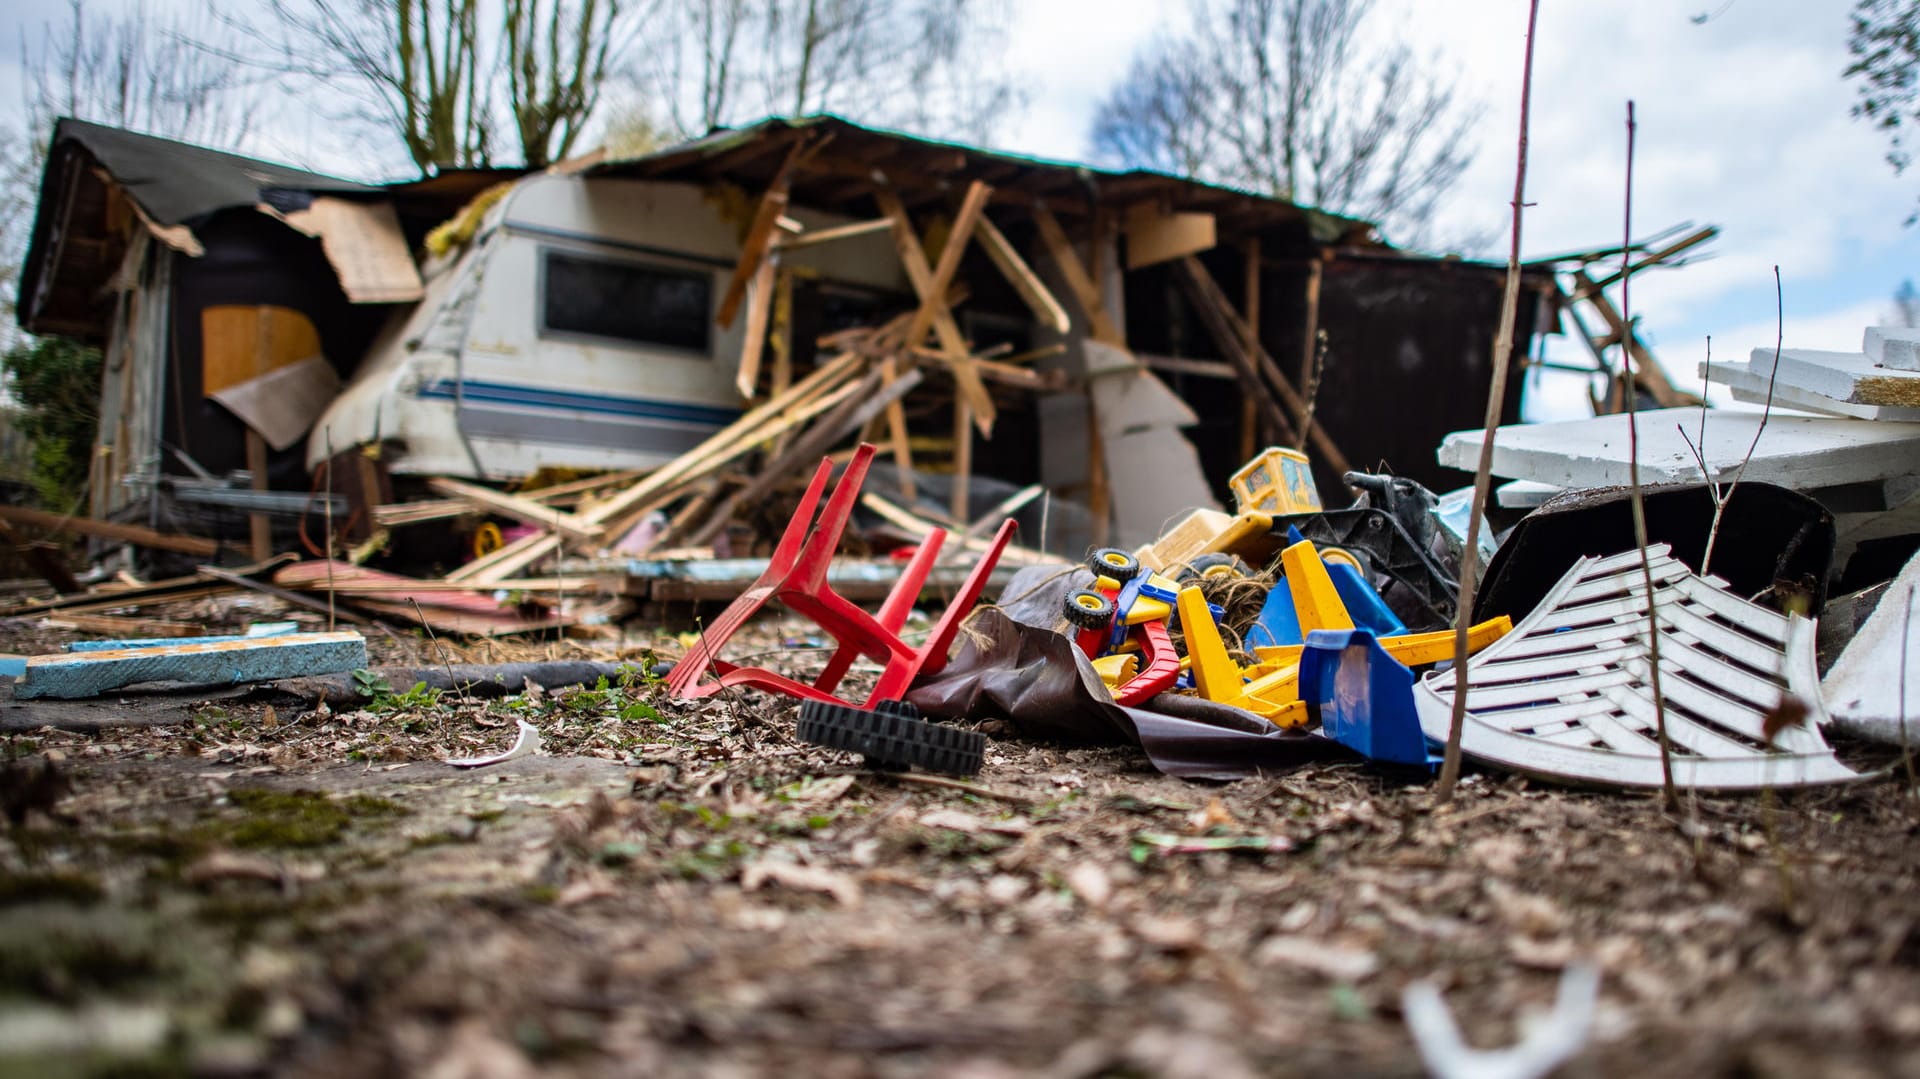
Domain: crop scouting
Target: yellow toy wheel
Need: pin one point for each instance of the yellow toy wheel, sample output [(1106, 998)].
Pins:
[(1088, 609), (1114, 563), (487, 539)]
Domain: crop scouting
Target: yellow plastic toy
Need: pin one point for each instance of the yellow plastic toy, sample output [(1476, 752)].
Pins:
[(1270, 688), (1117, 669), (1277, 482), (1411, 649), (1274, 697)]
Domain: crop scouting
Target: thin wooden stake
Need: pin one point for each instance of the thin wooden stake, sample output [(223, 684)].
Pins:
[(1249, 411), (1483, 476), (1633, 476), (962, 462), (328, 506)]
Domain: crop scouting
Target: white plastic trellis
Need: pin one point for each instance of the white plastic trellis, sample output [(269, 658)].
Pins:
[(1567, 693)]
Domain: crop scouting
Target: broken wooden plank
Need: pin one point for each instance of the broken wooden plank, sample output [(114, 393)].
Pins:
[(759, 312), (837, 232), (952, 342), (964, 222), (135, 534), (583, 487), (271, 629), (760, 238), (331, 610), (1155, 235), (1230, 334), (725, 444), (808, 447), (1078, 278), (1033, 292), (520, 509), (126, 627), (1181, 365), (1024, 377), (920, 528), (394, 514), (87, 674), (430, 589)]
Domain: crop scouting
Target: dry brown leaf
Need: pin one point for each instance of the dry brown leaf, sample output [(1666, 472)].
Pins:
[(805, 878)]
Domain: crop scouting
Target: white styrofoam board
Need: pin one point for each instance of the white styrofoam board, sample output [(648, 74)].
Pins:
[(1897, 347), (1863, 690), (1751, 388), (1844, 376), (1524, 494), (1800, 452)]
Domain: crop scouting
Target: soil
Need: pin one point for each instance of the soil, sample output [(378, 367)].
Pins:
[(218, 887)]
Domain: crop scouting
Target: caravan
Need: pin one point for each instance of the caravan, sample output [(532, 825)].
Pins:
[(577, 328)]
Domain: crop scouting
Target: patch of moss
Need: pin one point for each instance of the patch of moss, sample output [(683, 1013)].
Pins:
[(372, 805), (55, 887), (173, 848), (296, 819)]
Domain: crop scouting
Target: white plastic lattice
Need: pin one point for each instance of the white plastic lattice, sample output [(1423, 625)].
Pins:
[(1567, 694)]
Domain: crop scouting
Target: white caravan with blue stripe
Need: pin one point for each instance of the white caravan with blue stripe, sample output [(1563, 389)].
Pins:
[(575, 330)]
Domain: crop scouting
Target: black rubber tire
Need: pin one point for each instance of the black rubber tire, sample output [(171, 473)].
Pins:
[(1212, 564), (893, 736), (1115, 563), (1087, 609)]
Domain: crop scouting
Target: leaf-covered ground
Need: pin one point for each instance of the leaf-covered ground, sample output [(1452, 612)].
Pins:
[(684, 889)]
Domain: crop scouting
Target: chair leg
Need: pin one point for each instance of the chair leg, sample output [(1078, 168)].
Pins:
[(932, 656), (810, 571), (793, 540), (893, 613)]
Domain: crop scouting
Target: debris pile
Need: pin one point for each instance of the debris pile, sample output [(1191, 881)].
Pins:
[(1237, 642)]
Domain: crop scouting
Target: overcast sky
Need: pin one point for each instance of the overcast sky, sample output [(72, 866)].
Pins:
[(1743, 123)]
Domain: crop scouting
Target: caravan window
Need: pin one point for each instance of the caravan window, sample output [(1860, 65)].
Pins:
[(628, 301)]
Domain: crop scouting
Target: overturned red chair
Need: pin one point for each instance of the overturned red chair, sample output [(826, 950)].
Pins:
[(796, 576)]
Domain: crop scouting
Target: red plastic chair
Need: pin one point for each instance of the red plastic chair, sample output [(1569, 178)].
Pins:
[(796, 576)]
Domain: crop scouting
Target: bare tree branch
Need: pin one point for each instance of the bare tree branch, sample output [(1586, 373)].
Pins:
[(1298, 99)]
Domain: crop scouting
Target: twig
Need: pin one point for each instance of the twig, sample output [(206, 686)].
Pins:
[(943, 782), (1906, 749), (435, 642), (1766, 413), (327, 507), (1483, 475), (1639, 498), (1311, 391)]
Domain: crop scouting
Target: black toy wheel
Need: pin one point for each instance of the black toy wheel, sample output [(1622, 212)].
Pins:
[(1088, 609), (893, 736), (1213, 564), (1115, 563)]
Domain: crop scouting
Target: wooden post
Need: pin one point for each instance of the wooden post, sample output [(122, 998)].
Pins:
[(896, 416), (953, 344), (962, 462), (1229, 333), (1310, 350), (782, 340), (1249, 411), (260, 524)]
